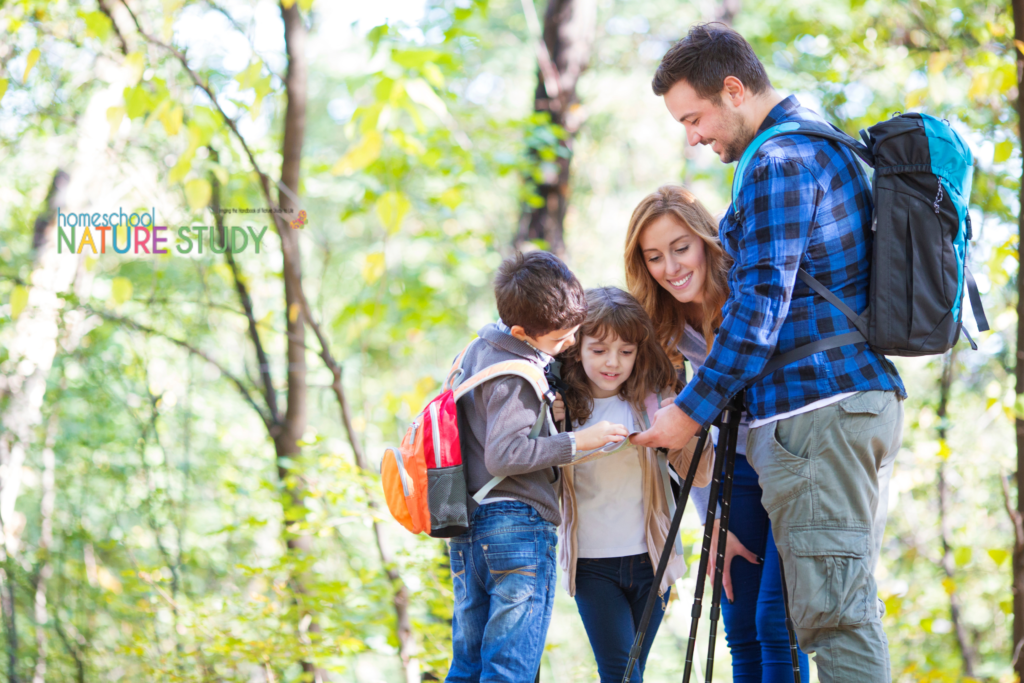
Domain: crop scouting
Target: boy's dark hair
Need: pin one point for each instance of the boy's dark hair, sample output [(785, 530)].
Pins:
[(705, 57), (539, 293)]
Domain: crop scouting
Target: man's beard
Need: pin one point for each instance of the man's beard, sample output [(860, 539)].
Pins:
[(742, 136)]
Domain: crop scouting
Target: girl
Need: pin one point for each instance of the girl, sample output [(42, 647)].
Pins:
[(676, 268), (616, 510)]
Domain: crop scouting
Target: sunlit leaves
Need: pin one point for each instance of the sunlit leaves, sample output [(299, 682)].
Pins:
[(198, 193), (391, 208), (120, 290), (361, 155), (19, 299), (30, 61)]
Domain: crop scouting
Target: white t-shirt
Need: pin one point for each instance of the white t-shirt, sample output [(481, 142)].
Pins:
[(609, 493)]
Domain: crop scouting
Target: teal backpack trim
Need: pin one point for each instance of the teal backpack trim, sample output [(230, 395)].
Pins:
[(751, 152), (953, 164)]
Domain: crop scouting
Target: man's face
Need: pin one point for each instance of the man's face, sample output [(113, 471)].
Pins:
[(720, 124)]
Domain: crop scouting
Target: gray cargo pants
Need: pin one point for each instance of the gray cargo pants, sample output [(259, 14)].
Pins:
[(824, 477)]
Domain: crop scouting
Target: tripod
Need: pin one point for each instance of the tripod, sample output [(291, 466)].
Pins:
[(728, 423)]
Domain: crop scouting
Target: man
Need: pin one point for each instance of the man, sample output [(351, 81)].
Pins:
[(827, 428)]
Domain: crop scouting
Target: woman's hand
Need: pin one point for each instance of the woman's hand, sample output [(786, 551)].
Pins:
[(558, 408), (733, 547), (598, 435)]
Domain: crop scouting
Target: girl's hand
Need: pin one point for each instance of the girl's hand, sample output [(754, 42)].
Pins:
[(558, 408), (733, 547), (597, 435)]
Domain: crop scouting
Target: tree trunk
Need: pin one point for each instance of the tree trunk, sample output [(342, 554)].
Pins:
[(1018, 552), (568, 36), (45, 544), (32, 351), (967, 653)]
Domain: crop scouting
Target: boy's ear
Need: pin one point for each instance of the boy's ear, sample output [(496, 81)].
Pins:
[(519, 333)]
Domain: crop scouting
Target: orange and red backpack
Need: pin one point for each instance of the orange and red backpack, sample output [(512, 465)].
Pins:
[(424, 481)]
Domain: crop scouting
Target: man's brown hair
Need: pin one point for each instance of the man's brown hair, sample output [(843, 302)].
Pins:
[(705, 58), (539, 293)]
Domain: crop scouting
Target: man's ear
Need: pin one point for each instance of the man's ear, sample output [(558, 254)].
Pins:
[(734, 91)]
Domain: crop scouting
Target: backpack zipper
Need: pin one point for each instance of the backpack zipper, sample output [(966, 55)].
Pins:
[(938, 200), (435, 417)]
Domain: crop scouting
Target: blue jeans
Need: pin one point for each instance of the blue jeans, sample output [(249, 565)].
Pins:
[(755, 623), (611, 594), (503, 571)]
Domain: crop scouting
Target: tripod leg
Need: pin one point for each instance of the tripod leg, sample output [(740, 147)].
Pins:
[(731, 429), (673, 531), (705, 553), (789, 626)]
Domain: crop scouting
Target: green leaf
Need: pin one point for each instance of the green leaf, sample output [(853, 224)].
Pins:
[(3, 87), (247, 77), (137, 101), (135, 63), (19, 299), (1003, 151), (962, 556), (114, 117), (97, 25), (364, 153), (30, 61), (999, 556), (198, 193), (391, 209), (121, 290)]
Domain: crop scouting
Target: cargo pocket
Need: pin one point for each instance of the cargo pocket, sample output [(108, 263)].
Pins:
[(861, 412), (831, 585), (783, 476), (458, 562), (449, 513), (513, 569)]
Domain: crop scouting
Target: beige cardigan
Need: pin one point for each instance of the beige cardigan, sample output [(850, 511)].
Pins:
[(656, 507)]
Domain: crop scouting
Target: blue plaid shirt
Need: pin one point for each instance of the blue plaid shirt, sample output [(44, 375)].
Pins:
[(805, 202)]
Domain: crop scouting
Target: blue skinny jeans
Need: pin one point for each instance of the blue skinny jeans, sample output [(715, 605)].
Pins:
[(755, 622), (611, 593)]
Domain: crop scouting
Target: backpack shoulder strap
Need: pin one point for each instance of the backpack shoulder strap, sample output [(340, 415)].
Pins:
[(519, 368), (812, 128), (457, 372)]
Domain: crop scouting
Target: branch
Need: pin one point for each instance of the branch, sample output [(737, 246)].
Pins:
[(269, 394), (202, 85), (548, 70), (1015, 517), (188, 347)]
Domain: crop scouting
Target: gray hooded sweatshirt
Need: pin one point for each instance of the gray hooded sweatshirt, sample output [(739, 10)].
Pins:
[(495, 420)]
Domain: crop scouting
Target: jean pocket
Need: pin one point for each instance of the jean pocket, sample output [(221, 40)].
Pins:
[(831, 585), (513, 569), (783, 475), (458, 562), (865, 410)]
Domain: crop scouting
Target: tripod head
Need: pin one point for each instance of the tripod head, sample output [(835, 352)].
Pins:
[(733, 410)]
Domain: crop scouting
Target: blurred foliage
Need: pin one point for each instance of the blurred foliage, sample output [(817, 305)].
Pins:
[(168, 556)]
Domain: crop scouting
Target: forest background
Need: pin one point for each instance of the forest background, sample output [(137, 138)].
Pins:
[(189, 443)]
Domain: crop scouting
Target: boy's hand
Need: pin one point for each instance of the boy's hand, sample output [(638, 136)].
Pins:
[(558, 408), (597, 435)]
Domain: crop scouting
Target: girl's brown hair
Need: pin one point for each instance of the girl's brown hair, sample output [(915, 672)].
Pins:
[(611, 311), (669, 314)]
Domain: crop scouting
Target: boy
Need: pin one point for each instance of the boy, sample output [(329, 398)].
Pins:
[(503, 568)]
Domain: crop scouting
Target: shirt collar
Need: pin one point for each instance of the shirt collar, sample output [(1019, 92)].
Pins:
[(502, 327), (780, 112)]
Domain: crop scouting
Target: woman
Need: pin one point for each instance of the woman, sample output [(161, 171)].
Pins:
[(677, 269)]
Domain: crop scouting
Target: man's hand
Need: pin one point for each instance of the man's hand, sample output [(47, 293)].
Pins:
[(733, 547), (672, 428)]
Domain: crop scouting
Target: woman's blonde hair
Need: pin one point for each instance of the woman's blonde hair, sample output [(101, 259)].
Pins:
[(667, 313), (613, 312)]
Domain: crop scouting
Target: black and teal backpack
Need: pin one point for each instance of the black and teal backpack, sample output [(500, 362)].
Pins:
[(921, 186)]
